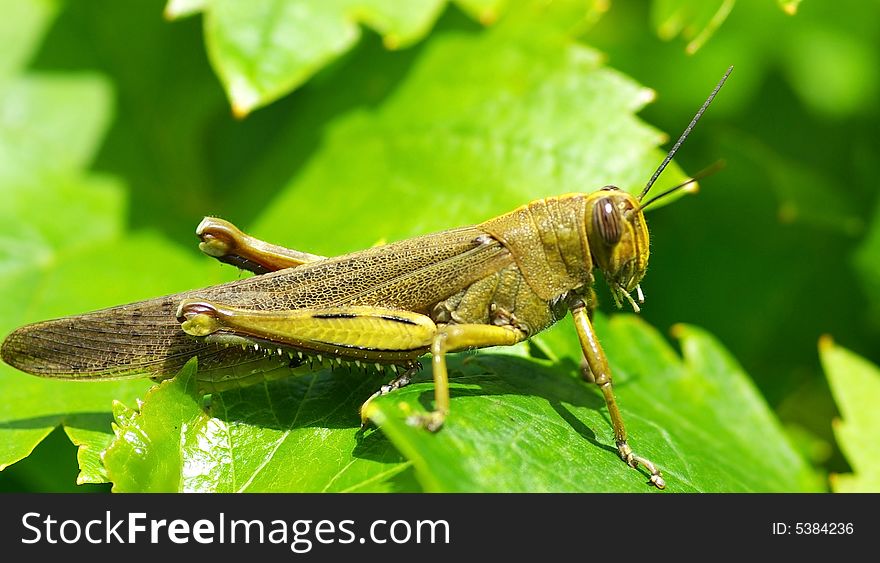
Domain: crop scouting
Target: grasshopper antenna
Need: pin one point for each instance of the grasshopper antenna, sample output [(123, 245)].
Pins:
[(685, 134), (708, 171)]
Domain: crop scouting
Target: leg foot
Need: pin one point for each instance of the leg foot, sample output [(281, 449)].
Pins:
[(402, 380), (430, 421), (634, 461)]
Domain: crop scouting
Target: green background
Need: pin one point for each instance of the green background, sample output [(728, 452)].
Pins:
[(118, 135)]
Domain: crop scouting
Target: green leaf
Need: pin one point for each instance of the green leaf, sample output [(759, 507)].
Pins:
[(300, 434), (51, 123), (855, 383), (92, 434), (481, 124), (264, 49), (140, 458), (694, 20), (518, 425)]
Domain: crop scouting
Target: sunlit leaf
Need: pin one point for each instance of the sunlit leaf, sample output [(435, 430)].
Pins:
[(263, 49), (480, 125), (519, 425), (298, 434), (855, 383)]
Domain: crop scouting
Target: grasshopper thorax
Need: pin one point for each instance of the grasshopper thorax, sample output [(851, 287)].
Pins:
[(618, 238)]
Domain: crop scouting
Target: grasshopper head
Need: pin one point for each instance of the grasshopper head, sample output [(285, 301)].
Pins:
[(618, 240), (615, 223)]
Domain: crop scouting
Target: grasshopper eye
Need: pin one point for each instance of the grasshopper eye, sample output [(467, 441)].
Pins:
[(606, 221)]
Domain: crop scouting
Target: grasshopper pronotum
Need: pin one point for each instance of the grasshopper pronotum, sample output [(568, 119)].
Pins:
[(492, 284)]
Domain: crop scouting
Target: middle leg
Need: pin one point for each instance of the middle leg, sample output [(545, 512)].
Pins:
[(398, 382), (451, 338)]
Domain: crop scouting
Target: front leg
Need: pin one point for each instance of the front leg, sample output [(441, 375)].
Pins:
[(601, 373), (225, 242)]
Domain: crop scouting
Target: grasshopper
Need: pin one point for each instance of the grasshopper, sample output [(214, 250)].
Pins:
[(492, 284)]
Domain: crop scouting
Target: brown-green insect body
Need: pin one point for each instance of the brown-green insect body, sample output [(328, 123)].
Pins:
[(511, 270), (146, 338), (548, 240)]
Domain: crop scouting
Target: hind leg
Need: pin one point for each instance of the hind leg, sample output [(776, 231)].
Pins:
[(225, 242)]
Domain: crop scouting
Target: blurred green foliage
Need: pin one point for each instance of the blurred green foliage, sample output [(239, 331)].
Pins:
[(108, 108)]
